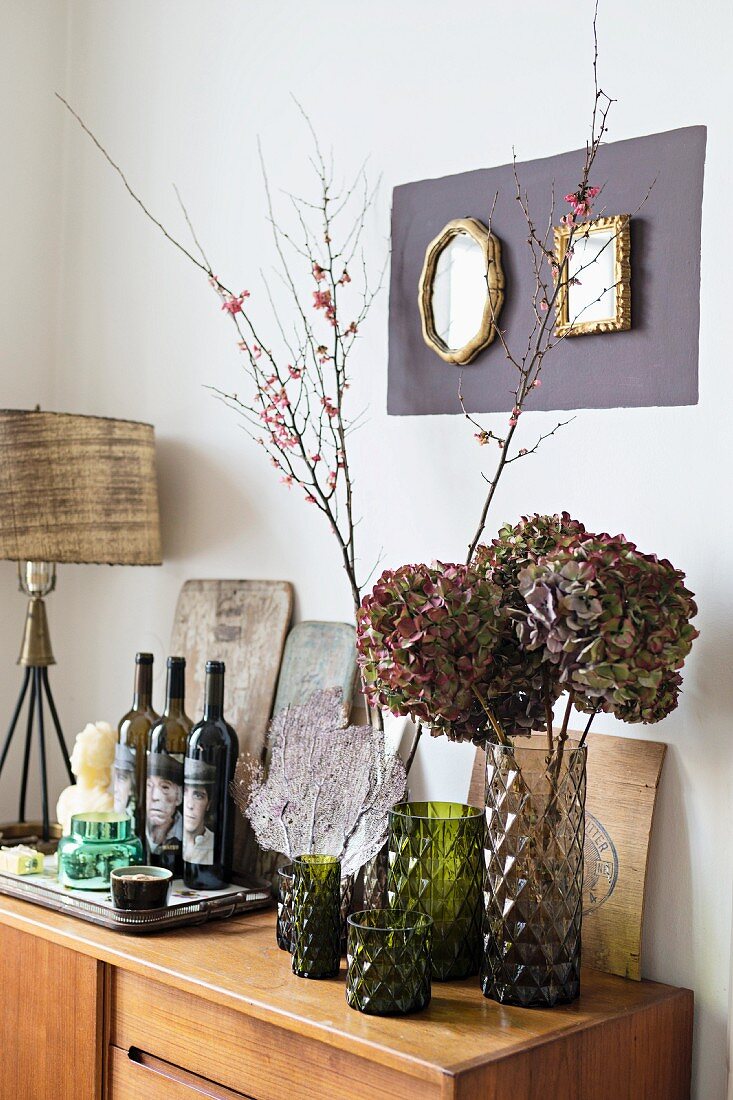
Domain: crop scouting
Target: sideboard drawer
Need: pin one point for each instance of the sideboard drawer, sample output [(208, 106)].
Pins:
[(250, 1056), (134, 1075)]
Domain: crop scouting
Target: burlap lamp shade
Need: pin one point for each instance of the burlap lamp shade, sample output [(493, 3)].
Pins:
[(72, 489), (77, 489)]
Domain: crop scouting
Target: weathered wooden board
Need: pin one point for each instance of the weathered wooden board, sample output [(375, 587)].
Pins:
[(243, 623), (317, 655), (623, 777)]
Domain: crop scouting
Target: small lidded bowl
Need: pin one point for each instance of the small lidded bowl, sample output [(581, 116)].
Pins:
[(98, 843), (140, 887)]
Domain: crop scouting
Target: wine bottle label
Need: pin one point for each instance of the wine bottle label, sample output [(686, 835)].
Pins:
[(164, 803), (199, 811), (124, 793)]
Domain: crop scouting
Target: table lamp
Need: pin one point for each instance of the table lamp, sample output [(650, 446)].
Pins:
[(72, 489)]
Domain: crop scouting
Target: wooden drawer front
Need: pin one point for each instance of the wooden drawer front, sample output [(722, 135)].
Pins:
[(250, 1056), (137, 1076), (50, 1020)]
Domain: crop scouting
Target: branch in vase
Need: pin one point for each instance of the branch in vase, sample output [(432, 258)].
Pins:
[(297, 413), (540, 340)]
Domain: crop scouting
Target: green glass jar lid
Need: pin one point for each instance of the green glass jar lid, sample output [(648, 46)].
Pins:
[(101, 826)]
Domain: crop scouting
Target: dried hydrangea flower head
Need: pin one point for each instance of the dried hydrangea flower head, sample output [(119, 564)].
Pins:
[(426, 637), (521, 544), (612, 622), (523, 683)]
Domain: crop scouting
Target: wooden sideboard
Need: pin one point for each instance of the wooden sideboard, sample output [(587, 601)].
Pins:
[(216, 1012)]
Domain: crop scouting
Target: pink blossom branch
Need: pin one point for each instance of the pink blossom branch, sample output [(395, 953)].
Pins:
[(297, 413)]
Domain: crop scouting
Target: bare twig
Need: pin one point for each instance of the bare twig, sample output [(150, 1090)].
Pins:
[(551, 278)]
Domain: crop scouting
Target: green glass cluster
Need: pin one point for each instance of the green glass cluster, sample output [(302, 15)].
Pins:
[(316, 916), (435, 867), (388, 957)]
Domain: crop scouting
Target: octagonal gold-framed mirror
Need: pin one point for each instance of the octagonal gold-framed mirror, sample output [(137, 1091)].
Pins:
[(461, 290)]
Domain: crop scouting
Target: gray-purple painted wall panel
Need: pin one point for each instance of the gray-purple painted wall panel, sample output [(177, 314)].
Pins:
[(653, 364)]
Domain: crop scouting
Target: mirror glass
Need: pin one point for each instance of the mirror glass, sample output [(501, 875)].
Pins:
[(459, 291), (593, 265)]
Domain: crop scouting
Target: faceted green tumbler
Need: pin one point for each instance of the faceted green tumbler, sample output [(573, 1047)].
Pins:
[(388, 958), (316, 916), (435, 866)]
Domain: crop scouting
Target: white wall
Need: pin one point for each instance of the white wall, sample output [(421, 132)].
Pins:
[(179, 92), (32, 59)]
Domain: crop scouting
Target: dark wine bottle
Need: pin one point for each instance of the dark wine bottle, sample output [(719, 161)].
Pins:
[(167, 742), (131, 751), (208, 806)]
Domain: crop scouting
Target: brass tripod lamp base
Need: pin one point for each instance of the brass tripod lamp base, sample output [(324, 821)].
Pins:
[(37, 579)]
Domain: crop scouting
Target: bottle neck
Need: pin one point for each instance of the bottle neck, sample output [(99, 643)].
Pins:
[(175, 691), (214, 695), (142, 698)]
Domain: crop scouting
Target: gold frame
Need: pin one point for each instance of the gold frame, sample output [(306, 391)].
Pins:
[(621, 242), (491, 247)]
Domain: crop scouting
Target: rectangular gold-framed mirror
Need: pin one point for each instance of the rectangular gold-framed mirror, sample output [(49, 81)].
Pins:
[(595, 284)]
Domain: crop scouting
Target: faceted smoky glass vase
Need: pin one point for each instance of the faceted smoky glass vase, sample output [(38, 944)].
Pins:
[(316, 916), (374, 880), (346, 904), (284, 928), (435, 867), (388, 961), (533, 879)]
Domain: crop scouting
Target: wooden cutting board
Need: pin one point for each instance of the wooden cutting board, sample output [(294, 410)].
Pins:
[(317, 656), (623, 777), (244, 624)]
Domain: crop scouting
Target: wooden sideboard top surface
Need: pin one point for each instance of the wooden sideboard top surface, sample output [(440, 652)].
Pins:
[(237, 964)]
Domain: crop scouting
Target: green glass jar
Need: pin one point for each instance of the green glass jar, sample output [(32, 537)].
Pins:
[(316, 916), (99, 842), (388, 958), (435, 863)]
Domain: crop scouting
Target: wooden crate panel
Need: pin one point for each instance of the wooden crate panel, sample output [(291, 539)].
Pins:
[(244, 624)]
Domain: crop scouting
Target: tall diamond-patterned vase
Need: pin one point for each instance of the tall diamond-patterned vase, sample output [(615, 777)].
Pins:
[(533, 879), (435, 867), (316, 916)]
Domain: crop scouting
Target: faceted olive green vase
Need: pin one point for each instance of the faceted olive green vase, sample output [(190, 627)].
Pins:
[(435, 867), (388, 957), (284, 928), (316, 916)]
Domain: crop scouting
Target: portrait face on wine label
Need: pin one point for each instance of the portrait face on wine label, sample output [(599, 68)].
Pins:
[(164, 802), (199, 812), (123, 779)]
